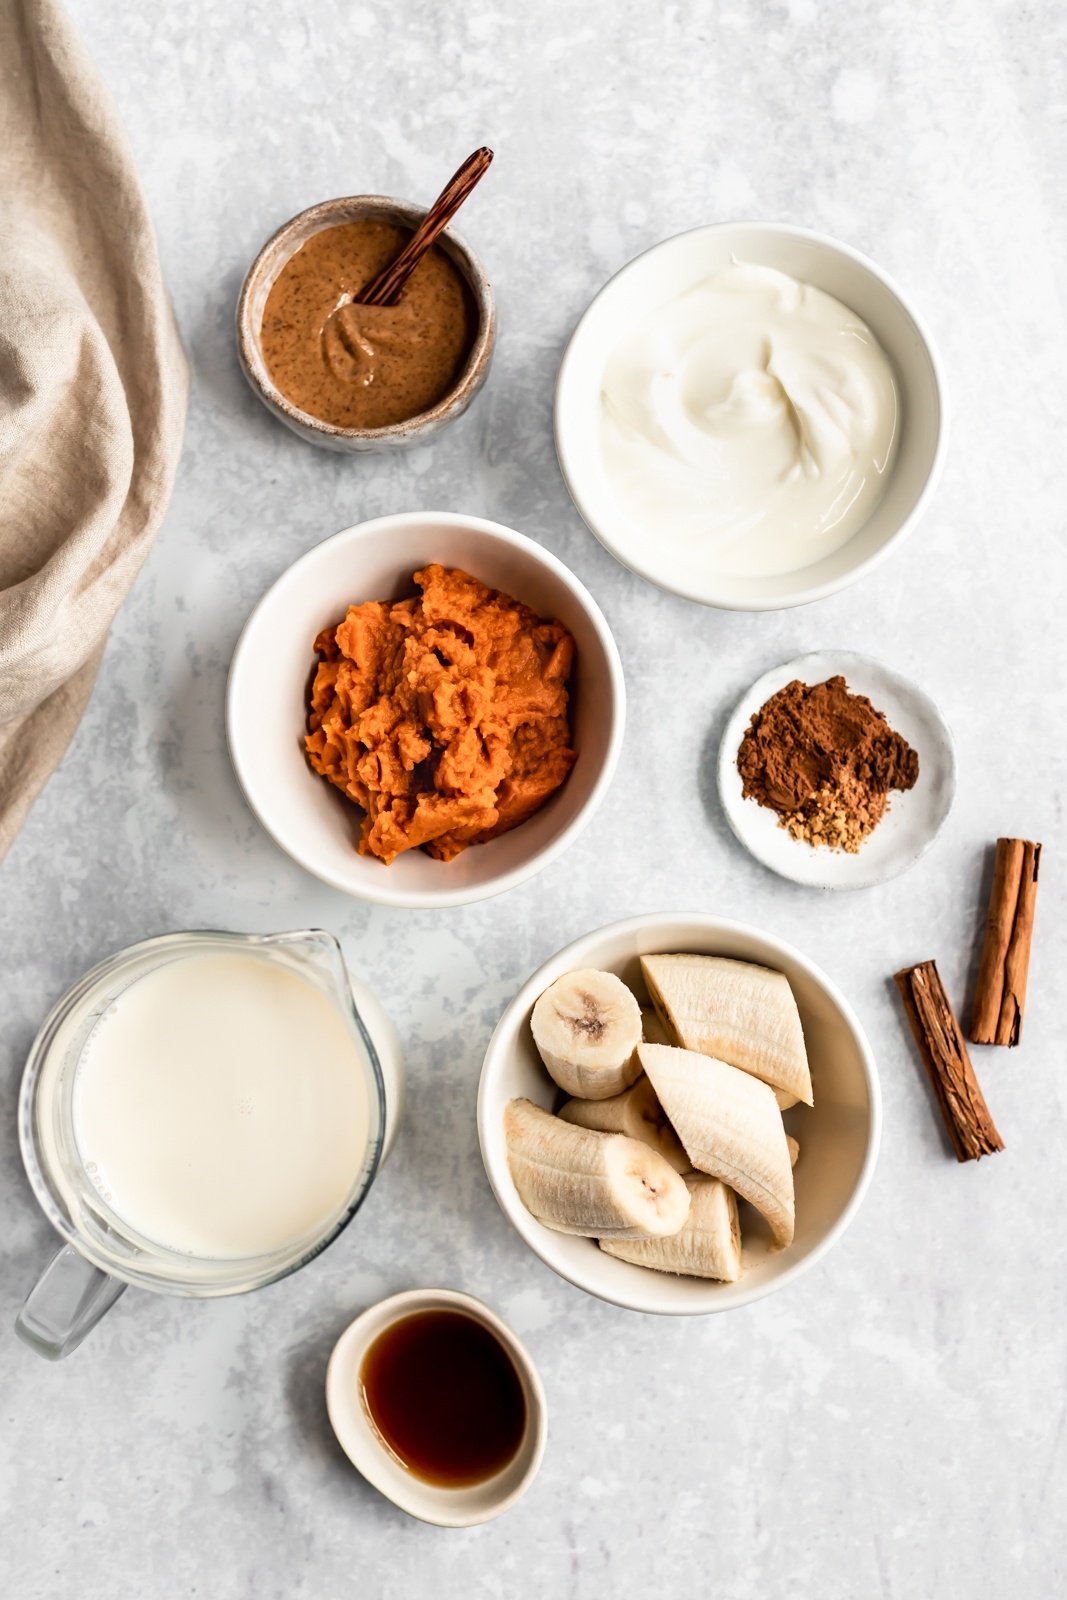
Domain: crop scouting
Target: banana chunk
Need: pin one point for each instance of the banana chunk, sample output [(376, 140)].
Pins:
[(709, 1246), (637, 1113), (794, 1149), (600, 1185), (737, 1012), (654, 1029), (731, 1127), (587, 1026)]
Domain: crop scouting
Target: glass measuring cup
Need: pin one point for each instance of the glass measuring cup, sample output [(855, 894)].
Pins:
[(103, 1253)]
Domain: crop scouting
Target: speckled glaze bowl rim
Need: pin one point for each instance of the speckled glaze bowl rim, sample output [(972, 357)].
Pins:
[(331, 213), (815, 591), (367, 1451), (585, 951)]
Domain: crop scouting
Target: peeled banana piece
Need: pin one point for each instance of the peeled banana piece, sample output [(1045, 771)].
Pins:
[(653, 1027), (587, 1026), (708, 1246), (601, 1185), (794, 1149), (731, 1127), (637, 1113), (738, 1012)]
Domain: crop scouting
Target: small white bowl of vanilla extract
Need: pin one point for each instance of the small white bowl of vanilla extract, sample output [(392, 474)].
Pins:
[(438, 1404)]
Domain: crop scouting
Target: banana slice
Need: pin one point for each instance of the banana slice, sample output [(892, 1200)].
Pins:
[(587, 1026), (731, 1127), (794, 1149), (637, 1113), (735, 1011), (786, 1102), (709, 1246), (602, 1185), (653, 1027)]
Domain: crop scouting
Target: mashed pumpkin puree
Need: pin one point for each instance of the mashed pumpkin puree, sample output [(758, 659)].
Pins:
[(444, 716)]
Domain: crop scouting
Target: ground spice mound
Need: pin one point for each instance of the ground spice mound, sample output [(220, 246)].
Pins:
[(825, 760), (445, 716)]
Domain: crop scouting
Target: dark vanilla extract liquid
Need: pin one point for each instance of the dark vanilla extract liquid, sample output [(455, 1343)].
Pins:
[(445, 1396)]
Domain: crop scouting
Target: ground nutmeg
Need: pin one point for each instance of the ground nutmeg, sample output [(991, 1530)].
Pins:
[(825, 760)]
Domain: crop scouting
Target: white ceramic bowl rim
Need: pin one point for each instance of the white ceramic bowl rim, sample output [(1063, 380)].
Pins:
[(815, 591), (380, 890), (446, 1508), (576, 953)]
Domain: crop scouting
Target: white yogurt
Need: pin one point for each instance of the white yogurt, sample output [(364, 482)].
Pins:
[(221, 1106), (748, 425)]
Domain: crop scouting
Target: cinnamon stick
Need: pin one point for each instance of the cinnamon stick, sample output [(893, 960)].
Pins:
[(1000, 993), (948, 1066), (386, 288)]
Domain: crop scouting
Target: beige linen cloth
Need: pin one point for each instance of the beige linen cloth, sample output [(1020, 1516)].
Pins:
[(93, 387)]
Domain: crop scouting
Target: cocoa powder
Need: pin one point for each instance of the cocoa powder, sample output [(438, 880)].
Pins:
[(825, 760)]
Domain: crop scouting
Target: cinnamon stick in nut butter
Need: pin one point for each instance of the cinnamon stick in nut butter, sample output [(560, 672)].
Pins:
[(365, 366)]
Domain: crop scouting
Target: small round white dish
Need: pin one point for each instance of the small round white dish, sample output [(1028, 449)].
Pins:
[(913, 820), (266, 704), (838, 1136), (368, 1453), (670, 269)]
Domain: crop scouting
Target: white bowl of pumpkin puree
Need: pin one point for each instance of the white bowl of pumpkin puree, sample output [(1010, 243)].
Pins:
[(425, 709), (349, 376)]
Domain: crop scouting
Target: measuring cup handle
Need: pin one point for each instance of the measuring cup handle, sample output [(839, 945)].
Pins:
[(65, 1304)]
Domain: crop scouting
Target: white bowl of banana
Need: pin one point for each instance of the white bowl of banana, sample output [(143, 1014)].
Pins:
[(679, 1114)]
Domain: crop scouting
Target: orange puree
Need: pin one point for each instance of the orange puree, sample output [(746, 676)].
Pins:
[(445, 716)]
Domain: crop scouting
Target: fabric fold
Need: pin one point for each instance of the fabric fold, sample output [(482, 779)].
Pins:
[(93, 388)]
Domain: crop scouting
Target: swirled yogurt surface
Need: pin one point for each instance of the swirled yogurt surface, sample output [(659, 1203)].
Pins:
[(748, 424)]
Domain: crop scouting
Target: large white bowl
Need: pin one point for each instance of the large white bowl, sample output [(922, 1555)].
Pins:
[(671, 268), (838, 1136), (266, 706)]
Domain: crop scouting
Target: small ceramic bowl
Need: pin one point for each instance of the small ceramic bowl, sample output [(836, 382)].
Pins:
[(266, 706), (364, 1447), (670, 269), (838, 1136), (257, 286), (914, 819)]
